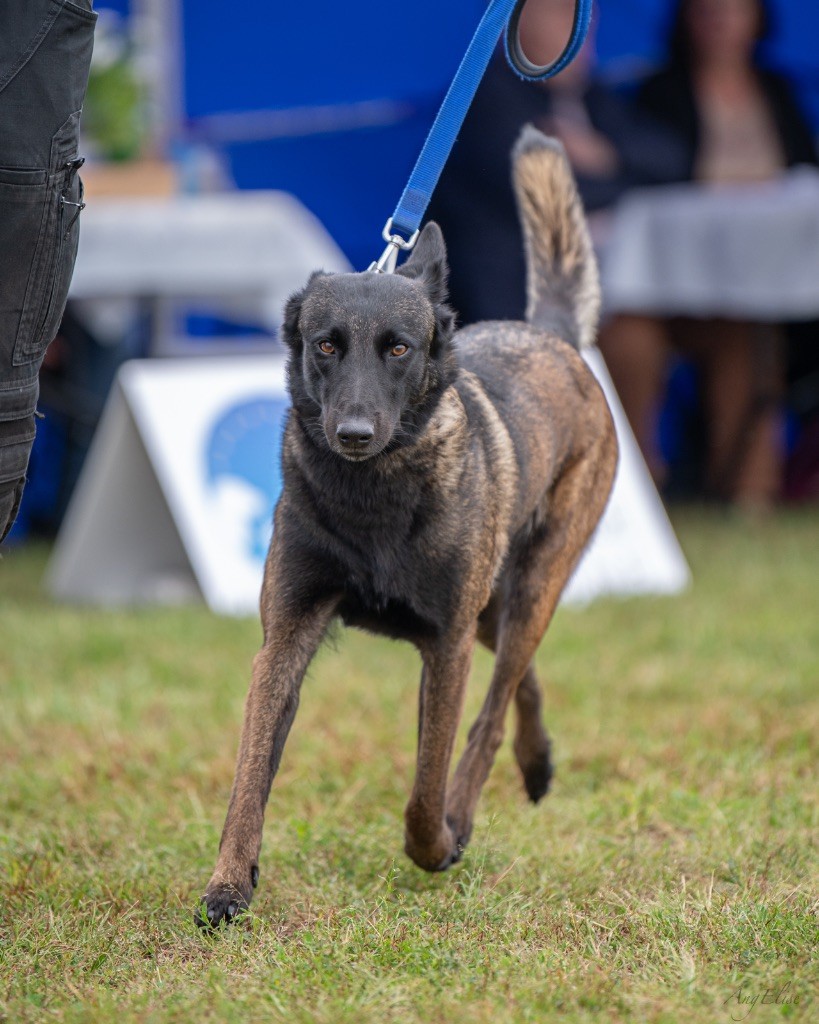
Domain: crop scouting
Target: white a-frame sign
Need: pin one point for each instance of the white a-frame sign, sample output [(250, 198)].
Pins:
[(175, 500), (176, 496)]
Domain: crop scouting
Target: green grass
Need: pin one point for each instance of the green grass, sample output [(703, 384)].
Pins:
[(670, 873)]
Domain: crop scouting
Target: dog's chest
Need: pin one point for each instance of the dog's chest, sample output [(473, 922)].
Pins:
[(398, 567), (411, 602)]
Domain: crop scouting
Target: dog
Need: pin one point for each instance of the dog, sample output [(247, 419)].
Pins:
[(439, 487)]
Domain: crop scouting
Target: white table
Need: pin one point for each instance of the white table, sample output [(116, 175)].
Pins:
[(745, 252), (244, 252)]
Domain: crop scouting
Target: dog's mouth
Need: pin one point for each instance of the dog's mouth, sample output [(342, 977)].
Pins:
[(357, 454)]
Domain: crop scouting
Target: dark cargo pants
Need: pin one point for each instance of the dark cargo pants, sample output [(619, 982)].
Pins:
[(45, 53)]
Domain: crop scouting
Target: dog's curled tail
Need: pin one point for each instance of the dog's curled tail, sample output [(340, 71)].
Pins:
[(563, 288)]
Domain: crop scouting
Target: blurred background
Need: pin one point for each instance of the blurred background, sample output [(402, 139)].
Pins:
[(333, 102), (330, 103)]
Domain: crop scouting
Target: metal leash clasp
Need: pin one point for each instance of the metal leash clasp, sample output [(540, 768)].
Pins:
[(386, 262), (71, 168)]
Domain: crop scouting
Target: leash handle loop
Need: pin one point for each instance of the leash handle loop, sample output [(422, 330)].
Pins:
[(406, 220), (520, 63)]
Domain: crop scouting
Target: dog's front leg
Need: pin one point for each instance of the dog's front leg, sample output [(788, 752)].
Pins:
[(293, 628), (430, 841)]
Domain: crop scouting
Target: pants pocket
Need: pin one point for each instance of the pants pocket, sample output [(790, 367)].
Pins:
[(44, 221), (68, 235), (10, 495)]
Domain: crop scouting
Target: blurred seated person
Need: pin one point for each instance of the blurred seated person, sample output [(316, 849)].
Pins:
[(610, 147), (739, 123)]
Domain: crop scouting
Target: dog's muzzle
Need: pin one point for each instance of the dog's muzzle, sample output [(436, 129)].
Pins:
[(354, 438)]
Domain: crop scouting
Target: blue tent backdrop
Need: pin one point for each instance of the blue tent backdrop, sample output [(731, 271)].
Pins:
[(331, 101)]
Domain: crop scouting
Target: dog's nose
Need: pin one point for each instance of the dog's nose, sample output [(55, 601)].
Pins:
[(355, 433)]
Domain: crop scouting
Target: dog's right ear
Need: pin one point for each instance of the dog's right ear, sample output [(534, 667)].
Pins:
[(428, 263), (292, 311), (290, 325)]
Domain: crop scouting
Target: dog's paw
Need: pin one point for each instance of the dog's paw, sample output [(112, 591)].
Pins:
[(462, 831), (439, 855), (453, 857), (533, 753), (223, 902), (537, 777)]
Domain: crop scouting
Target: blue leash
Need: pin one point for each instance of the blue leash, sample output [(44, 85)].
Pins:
[(401, 230)]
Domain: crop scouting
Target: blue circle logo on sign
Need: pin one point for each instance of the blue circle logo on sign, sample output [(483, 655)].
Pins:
[(245, 446)]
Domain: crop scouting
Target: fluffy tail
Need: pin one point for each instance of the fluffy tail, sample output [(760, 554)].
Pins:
[(563, 289)]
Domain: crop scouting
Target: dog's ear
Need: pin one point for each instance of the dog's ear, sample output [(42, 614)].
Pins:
[(428, 263), (290, 324), (292, 311)]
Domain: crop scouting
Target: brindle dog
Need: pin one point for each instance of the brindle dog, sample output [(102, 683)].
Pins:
[(438, 488)]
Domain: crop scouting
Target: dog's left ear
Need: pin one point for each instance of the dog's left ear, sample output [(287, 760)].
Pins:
[(428, 263), (292, 311)]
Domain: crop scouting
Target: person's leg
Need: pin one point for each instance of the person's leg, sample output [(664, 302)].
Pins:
[(742, 388), (45, 55), (636, 352)]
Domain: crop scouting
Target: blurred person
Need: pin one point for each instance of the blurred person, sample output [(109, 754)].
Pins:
[(610, 148), (45, 56), (739, 123)]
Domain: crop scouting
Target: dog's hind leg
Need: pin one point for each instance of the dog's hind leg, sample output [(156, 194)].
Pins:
[(533, 751), (532, 589), (294, 625), (531, 745), (429, 840)]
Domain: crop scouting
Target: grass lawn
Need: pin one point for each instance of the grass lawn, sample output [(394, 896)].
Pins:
[(669, 876)]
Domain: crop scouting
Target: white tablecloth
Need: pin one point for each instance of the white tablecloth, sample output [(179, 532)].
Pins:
[(254, 246), (749, 252)]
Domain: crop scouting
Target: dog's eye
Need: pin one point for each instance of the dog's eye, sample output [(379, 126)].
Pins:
[(327, 347), (399, 350)]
